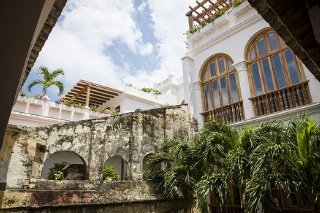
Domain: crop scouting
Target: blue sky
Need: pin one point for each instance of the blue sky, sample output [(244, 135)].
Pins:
[(116, 42)]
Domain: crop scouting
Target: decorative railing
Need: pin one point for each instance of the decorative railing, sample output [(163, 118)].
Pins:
[(228, 114), (207, 11), (279, 100)]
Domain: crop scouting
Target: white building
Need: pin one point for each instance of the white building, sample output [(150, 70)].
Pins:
[(238, 70), (33, 112), (131, 99)]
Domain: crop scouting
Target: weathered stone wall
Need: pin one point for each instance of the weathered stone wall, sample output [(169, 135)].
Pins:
[(131, 136), (81, 196)]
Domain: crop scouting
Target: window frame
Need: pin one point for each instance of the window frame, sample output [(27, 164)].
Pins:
[(207, 79), (280, 51)]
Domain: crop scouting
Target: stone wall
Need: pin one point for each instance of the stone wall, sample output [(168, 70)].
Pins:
[(81, 196), (131, 136)]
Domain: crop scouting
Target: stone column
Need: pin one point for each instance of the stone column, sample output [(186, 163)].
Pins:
[(192, 90), (187, 65), (197, 103), (244, 84)]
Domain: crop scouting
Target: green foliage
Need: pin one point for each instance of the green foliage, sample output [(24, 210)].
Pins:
[(213, 17), (22, 94), (109, 174), (150, 90), (48, 80), (271, 156), (56, 173)]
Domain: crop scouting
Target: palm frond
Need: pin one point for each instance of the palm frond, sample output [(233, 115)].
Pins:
[(56, 73), (60, 86), (33, 83)]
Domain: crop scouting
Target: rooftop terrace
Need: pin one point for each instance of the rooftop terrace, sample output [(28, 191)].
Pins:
[(207, 11)]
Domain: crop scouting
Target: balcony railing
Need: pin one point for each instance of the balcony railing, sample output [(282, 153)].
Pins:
[(279, 100), (229, 114), (207, 11)]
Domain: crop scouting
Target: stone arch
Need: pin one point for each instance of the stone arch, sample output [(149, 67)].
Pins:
[(75, 171), (120, 165)]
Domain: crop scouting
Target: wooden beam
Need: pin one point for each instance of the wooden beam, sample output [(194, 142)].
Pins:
[(106, 96), (88, 95), (96, 90)]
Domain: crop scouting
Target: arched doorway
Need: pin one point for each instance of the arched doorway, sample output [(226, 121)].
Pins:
[(73, 169), (120, 165)]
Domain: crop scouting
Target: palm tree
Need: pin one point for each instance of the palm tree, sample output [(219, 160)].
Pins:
[(171, 167), (306, 135), (265, 163), (48, 80)]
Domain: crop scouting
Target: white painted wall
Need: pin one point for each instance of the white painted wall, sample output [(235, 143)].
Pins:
[(33, 113), (228, 34)]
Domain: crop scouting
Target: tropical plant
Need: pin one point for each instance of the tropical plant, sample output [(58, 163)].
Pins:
[(109, 174), (173, 175), (305, 134), (48, 80), (56, 173), (263, 162), (150, 90)]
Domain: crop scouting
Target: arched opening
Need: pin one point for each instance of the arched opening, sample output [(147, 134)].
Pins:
[(120, 165), (72, 166), (276, 76), (221, 97)]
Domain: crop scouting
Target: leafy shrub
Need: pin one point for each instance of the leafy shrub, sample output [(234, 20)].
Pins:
[(56, 173), (150, 90), (109, 174)]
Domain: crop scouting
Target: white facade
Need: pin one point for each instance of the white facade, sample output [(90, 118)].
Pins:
[(172, 93), (34, 112), (230, 35)]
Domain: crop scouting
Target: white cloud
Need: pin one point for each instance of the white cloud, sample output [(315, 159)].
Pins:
[(78, 43), (142, 6)]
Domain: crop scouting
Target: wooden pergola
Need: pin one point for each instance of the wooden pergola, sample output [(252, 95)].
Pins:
[(206, 10), (88, 93)]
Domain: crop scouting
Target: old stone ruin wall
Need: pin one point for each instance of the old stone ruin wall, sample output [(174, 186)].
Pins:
[(125, 139)]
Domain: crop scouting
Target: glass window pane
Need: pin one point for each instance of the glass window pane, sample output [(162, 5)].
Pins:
[(261, 46), (279, 71), (267, 75), (292, 67), (213, 69), (273, 43), (224, 91), (256, 78), (208, 97), (233, 88), (216, 97), (252, 53), (221, 65)]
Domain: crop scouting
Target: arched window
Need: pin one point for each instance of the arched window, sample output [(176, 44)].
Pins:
[(221, 96), (273, 67)]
